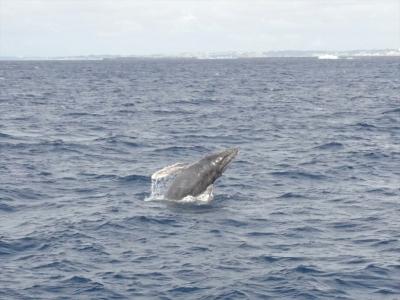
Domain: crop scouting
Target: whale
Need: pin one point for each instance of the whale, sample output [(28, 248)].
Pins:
[(199, 176)]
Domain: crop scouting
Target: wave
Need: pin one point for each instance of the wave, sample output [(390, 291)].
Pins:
[(179, 149), (134, 178), (365, 126), (307, 269), (126, 111), (330, 146), (260, 234), (63, 265), (166, 112), (6, 136), (23, 193), (18, 245), (291, 195), (392, 111), (151, 220), (82, 114), (114, 177), (185, 289), (7, 208), (375, 155), (108, 225), (119, 139), (299, 175), (46, 146)]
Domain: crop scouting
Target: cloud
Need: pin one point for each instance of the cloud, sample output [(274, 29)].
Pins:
[(72, 27)]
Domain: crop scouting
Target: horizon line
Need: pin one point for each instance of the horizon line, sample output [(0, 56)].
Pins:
[(194, 53)]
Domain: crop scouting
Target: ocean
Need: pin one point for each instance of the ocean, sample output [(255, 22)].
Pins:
[(309, 209)]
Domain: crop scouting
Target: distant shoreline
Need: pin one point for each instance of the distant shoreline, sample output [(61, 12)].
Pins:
[(189, 59), (221, 55)]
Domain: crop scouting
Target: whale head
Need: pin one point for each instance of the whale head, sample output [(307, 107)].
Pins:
[(221, 160)]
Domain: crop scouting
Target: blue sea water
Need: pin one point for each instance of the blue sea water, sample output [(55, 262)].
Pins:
[(310, 208)]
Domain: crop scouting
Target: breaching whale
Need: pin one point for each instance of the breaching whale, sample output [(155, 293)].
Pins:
[(199, 176)]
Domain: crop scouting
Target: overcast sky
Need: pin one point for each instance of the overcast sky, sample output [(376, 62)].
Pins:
[(81, 27)]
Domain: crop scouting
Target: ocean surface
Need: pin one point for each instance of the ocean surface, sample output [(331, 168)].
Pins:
[(310, 208)]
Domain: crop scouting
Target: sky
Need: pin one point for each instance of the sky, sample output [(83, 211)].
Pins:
[(142, 27)]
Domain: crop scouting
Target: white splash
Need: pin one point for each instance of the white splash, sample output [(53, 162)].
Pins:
[(204, 198), (161, 180)]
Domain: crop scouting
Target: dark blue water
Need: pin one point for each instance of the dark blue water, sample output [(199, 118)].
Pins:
[(310, 209)]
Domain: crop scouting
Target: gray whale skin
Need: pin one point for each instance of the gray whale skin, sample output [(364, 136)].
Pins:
[(195, 179)]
